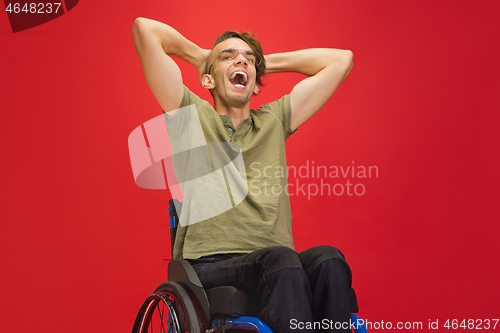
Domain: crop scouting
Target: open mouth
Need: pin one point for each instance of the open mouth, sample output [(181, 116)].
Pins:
[(239, 79)]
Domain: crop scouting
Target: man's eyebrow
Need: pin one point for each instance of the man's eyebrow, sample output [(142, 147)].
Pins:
[(235, 48)]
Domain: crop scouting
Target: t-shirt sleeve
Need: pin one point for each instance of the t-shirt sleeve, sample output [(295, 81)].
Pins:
[(282, 110), (189, 98)]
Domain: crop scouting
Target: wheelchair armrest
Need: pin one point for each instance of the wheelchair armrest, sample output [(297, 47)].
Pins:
[(183, 273)]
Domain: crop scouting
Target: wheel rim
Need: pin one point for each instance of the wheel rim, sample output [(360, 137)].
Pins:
[(168, 309), (161, 315)]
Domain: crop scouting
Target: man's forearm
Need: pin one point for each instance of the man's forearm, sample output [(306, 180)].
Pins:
[(308, 61), (146, 31)]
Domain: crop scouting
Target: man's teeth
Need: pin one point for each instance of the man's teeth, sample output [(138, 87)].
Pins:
[(239, 72)]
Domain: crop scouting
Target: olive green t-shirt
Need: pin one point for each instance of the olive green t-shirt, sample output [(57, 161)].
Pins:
[(262, 217)]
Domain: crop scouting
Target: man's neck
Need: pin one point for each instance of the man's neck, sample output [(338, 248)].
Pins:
[(237, 114)]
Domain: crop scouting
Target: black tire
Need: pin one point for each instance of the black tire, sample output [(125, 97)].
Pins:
[(167, 310)]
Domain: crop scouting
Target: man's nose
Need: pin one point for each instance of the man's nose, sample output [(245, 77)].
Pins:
[(241, 59)]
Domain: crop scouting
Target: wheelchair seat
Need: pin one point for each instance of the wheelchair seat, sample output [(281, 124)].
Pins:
[(231, 302)]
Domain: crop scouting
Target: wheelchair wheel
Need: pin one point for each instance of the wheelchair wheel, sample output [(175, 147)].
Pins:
[(167, 310)]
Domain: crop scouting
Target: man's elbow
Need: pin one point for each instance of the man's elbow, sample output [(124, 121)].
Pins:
[(140, 22), (141, 30), (138, 26), (349, 55), (346, 61), (347, 58), (341, 60)]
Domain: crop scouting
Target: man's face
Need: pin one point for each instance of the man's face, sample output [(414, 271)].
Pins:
[(234, 80)]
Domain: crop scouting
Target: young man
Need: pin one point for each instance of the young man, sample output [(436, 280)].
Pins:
[(250, 246)]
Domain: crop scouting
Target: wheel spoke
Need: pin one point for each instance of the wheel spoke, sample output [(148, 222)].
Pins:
[(151, 320), (176, 312), (160, 313), (170, 326), (163, 313)]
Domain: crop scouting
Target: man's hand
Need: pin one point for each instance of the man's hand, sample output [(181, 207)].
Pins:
[(202, 65), (327, 69)]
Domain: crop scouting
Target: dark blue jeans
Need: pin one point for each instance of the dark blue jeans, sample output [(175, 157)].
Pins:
[(307, 291)]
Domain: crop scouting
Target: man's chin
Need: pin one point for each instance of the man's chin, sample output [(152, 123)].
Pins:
[(236, 98), (234, 103), (240, 98)]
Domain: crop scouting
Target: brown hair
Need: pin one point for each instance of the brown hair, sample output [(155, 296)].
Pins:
[(254, 44)]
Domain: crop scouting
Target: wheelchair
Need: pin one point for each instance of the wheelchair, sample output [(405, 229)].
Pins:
[(181, 304)]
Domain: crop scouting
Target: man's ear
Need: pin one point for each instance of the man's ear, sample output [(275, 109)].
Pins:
[(207, 81), (256, 90)]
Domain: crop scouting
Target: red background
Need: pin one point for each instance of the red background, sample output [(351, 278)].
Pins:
[(82, 245)]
